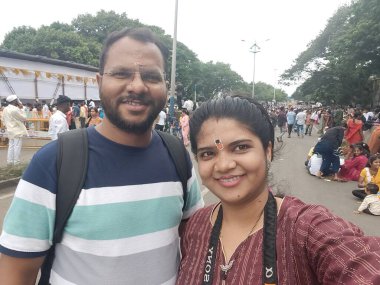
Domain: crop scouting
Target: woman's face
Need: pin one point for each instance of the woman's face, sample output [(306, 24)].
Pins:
[(93, 113), (232, 161), (375, 164)]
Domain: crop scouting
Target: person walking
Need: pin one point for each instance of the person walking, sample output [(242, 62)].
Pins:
[(300, 122), (14, 120), (290, 119), (83, 114), (281, 122), (58, 121), (124, 228)]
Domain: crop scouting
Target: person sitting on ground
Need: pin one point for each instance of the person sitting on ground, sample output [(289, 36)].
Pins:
[(94, 119), (371, 203), (369, 174), (350, 170)]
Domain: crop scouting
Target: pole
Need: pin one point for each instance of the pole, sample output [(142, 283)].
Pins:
[(254, 49), (195, 94), (254, 70), (174, 61), (274, 87)]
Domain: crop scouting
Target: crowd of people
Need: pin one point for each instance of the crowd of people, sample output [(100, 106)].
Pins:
[(347, 147), (62, 116)]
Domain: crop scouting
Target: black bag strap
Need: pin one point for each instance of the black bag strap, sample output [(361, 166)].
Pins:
[(72, 162), (178, 153)]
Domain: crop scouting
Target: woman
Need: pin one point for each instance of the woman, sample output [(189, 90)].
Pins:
[(369, 174), (374, 141), (232, 139), (350, 170), (94, 118), (354, 133), (184, 122), (328, 148)]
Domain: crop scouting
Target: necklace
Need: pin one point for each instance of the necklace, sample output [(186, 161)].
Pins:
[(269, 245), (226, 267)]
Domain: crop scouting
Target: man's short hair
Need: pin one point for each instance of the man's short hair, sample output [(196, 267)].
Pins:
[(372, 188), (63, 99), (143, 35)]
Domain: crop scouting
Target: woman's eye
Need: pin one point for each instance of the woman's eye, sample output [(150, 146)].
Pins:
[(206, 154), (241, 147)]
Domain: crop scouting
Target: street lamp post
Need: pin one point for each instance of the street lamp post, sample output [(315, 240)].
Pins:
[(174, 62), (254, 49), (274, 87)]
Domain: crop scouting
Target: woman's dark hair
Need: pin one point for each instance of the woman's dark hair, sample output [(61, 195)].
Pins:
[(143, 35), (239, 107), (363, 147), (95, 109)]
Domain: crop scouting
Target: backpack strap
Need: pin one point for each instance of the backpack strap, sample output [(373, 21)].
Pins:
[(72, 162), (178, 153)]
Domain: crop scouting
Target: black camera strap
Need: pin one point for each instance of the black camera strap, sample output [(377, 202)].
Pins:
[(269, 244)]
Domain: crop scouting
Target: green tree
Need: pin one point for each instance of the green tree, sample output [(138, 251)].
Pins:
[(337, 64)]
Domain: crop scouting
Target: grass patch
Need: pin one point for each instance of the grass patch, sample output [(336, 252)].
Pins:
[(10, 172)]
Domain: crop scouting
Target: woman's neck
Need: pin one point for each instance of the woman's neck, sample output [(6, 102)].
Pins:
[(244, 214)]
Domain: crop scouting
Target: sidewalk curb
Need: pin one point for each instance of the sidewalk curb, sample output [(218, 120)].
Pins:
[(8, 183)]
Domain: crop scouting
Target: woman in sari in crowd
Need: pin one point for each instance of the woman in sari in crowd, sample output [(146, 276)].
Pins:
[(354, 132)]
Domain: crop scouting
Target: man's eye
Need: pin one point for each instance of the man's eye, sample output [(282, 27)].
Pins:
[(152, 77), (123, 74)]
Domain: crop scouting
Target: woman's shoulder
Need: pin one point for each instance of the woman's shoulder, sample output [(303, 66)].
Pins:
[(312, 217)]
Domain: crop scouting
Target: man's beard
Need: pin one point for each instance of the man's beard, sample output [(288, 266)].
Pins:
[(114, 116)]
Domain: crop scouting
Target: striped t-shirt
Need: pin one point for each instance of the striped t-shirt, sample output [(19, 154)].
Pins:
[(124, 226)]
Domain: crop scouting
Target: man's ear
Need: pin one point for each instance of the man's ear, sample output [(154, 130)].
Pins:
[(99, 79)]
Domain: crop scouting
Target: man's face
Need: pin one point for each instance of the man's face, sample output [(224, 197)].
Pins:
[(132, 88)]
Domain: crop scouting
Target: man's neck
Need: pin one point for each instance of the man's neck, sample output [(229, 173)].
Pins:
[(113, 133)]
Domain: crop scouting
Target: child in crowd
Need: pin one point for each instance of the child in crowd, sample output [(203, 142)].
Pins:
[(352, 167), (371, 203), (369, 174)]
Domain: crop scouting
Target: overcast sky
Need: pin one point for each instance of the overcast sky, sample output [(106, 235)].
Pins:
[(213, 29)]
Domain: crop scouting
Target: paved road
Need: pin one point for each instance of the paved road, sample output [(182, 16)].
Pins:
[(291, 178)]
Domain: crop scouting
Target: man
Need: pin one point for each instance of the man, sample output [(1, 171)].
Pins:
[(160, 124), (290, 120), (91, 104), (83, 114), (76, 112), (58, 122), (14, 118), (124, 227), (300, 122), (281, 122), (45, 110), (189, 106)]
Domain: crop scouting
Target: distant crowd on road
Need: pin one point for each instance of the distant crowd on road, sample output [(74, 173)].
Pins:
[(347, 149)]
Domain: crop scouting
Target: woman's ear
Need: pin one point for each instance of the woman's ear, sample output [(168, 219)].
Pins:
[(269, 152)]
